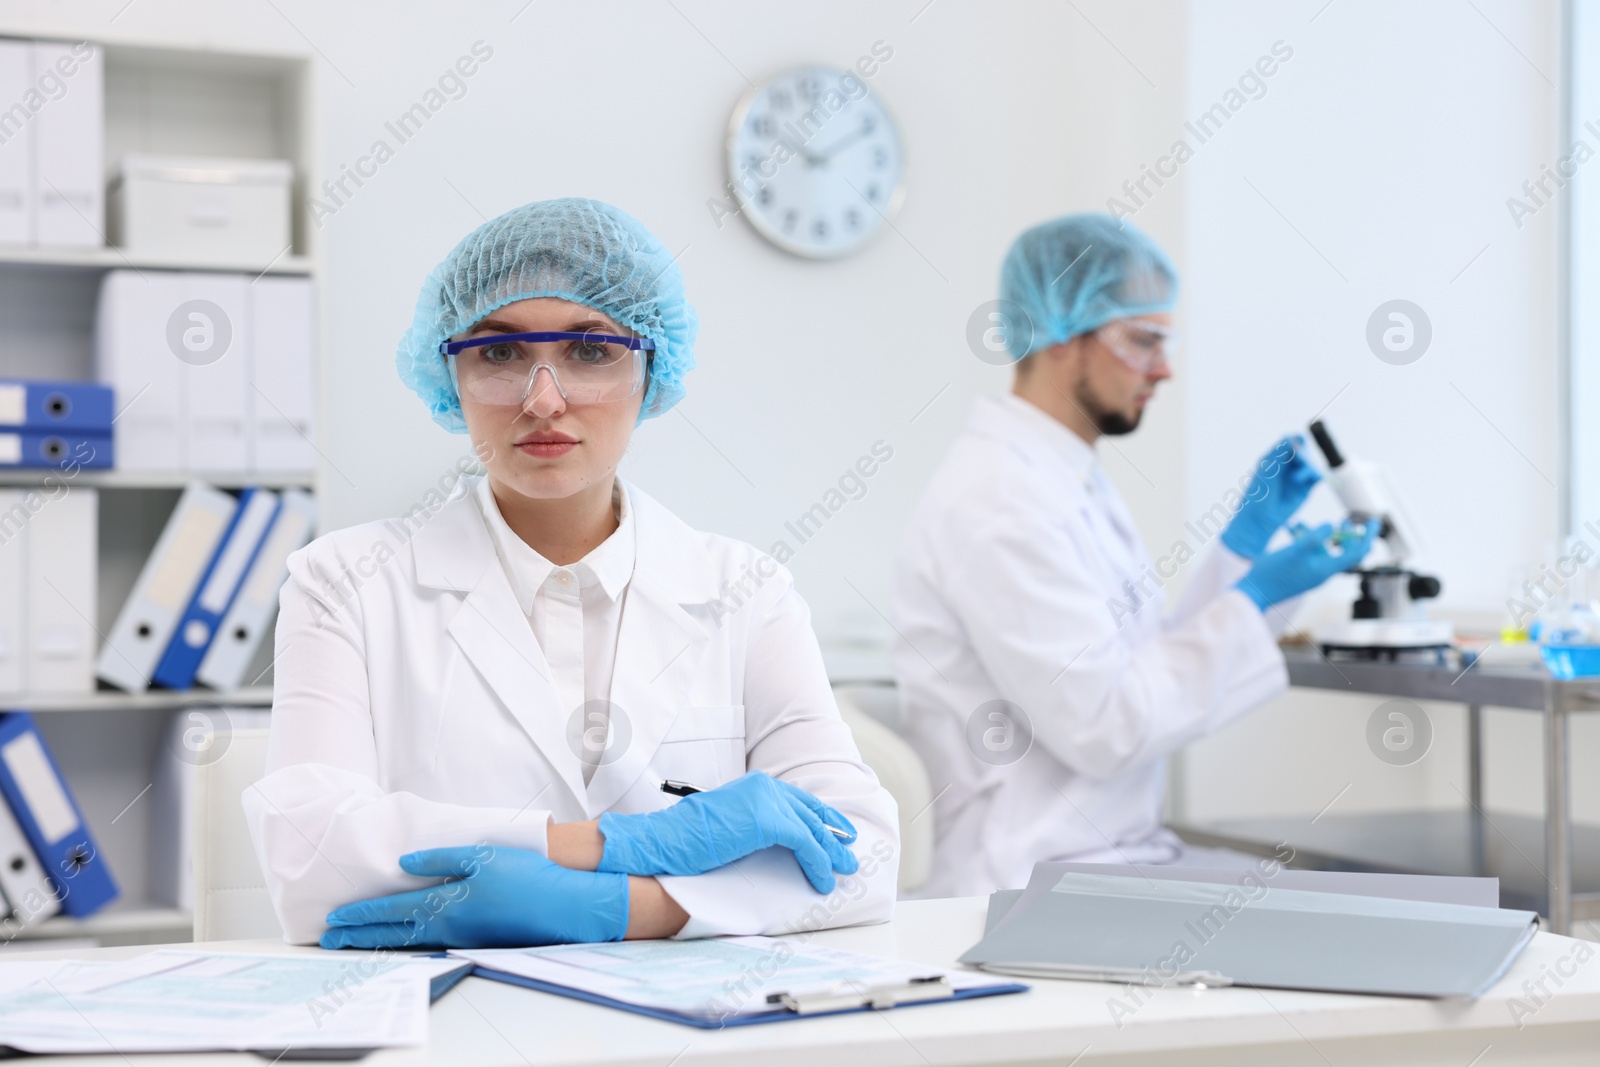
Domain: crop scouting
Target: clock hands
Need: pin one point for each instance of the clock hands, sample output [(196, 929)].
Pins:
[(824, 157)]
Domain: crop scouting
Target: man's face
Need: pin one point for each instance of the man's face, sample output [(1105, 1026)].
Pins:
[(1120, 367)]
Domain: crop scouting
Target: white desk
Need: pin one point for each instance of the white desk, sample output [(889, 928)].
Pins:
[(488, 1023)]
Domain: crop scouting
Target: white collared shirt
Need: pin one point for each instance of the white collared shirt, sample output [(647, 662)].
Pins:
[(575, 613)]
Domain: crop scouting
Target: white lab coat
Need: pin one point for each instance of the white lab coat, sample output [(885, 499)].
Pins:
[(413, 709), (1013, 585)]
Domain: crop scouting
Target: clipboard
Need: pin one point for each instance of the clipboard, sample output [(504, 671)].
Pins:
[(935, 989)]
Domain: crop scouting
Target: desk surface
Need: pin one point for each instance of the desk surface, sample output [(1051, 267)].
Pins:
[(488, 1023)]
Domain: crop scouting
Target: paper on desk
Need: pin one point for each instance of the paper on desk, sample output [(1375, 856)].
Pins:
[(712, 977), (171, 1001)]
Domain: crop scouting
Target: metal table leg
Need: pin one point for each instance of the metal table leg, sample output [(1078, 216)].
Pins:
[(1557, 812), (1475, 784)]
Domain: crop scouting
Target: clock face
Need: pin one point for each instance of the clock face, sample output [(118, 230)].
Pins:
[(814, 160)]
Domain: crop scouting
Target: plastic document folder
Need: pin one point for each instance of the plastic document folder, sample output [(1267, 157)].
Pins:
[(241, 631), (162, 592), (27, 894), (47, 405), (193, 633), (48, 595), (1169, 932), (728, 981), (323, 1006), (64, 449), (31, 784), (16, 147), (68, 135)]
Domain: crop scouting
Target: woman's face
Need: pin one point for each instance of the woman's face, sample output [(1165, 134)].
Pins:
[(547, 448)]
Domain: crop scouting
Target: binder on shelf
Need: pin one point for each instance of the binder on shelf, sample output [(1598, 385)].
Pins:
[(246, 624), (68, 146), (165, 585), (132, 357), (14, 516), (237, 549), (50, 820), (44, 449), (26, 896), (48, 405), (62, 539), (16, 146), (214, 342), (282, 341), (48, 577), (176, 348)]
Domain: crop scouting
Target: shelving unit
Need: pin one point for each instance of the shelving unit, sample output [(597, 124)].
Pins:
[(256, 696), (174, 101), (119, 924), (114, 258), (115, 479)]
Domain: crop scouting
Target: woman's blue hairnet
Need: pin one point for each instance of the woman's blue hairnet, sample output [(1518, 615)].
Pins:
[(1077, 273), (584, 251)]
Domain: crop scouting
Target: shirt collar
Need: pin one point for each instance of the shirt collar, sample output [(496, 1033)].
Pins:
[(1078, 454), (608, 565)]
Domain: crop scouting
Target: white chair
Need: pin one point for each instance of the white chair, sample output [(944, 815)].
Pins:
[(903, 774), (230, 894)]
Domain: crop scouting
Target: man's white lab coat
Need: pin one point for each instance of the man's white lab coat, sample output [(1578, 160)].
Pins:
[(1023, 579)]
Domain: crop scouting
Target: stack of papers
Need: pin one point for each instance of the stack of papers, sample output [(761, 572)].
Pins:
[(171, 1001)]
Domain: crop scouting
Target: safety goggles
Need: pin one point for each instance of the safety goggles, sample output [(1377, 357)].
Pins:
[(587, 367), (1141, 344)]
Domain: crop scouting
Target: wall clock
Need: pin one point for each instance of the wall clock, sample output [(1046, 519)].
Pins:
[(815, 161)]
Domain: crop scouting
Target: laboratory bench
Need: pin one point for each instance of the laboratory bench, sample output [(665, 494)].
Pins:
[(1546, 865)]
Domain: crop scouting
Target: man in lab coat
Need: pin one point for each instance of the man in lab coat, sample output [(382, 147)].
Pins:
[(1041, 679)]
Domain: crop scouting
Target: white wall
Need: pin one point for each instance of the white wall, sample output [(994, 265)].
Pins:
[(1377, 166)]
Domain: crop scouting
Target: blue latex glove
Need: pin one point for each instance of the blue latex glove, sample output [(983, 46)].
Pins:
[(1280, 484), (1307, 562), (704, 831), (497, 897)]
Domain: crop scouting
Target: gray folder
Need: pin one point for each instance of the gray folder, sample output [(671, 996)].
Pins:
[(1440, 888), (1161, 932), (1000, 902)]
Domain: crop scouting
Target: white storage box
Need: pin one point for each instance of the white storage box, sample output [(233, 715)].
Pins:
[(202, 209)]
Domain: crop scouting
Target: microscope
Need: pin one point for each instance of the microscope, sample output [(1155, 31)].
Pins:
[(1391, 615)]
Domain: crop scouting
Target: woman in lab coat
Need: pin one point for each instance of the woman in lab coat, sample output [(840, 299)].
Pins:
[(493, 689)]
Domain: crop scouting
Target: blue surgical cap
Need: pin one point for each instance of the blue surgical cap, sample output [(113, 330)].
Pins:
[(584, 251), (1077, 273)]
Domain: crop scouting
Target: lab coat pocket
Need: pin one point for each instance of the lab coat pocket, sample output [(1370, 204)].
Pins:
[(704, 746)]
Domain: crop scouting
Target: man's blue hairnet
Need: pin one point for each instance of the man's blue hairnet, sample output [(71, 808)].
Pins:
[(1077, 273), (584, 251)]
